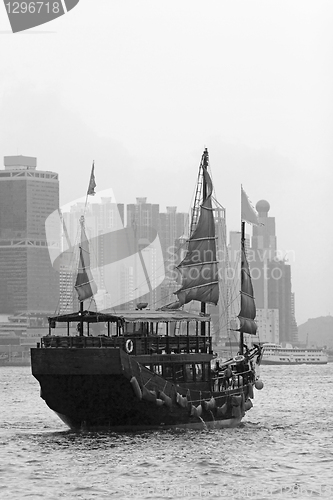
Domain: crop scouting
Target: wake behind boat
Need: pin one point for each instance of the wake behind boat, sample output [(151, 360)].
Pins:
[(153, 368)]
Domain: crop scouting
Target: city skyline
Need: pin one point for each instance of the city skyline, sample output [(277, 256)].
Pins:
[(141, 210), (155, 83)]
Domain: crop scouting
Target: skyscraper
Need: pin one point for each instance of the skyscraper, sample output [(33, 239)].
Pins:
[(271, 279), (102, 218), (28, 282)]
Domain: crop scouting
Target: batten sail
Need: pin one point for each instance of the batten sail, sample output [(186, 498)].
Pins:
[(247, 312), (199, 268), (84, 285)]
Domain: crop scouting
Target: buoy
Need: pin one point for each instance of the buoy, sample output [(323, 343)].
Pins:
[(259, 384), (248, 404), (136, 387), (129, 346)]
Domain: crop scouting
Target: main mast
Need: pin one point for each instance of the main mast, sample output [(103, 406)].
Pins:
[(205, 160), (199, 267), (241, 333)]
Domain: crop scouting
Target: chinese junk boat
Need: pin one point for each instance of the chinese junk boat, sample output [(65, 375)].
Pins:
[(153, 369)]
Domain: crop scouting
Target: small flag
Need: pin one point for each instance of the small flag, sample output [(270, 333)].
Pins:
[(92, 183), (249, 214)]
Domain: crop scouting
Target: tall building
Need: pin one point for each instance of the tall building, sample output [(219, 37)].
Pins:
[(103, 219), (271, 279), (143, 217), (170, 226), (28, 282), (264, 237)]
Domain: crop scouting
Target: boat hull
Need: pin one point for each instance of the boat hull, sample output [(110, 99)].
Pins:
[(93, 389), (198, 425)]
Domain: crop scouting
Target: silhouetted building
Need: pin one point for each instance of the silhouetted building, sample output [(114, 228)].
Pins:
[(271, 277), (28, 282)]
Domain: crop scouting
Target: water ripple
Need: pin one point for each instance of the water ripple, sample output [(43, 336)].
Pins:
[(283, 449)]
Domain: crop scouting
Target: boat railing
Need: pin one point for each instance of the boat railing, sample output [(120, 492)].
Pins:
[(135, 345)]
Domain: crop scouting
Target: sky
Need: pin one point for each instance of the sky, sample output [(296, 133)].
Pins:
[(142, 87)]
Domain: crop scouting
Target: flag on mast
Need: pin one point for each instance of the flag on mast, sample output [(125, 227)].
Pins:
[(92, 183), (248, 213)]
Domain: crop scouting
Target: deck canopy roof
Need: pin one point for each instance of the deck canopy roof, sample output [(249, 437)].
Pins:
[(135, 316)]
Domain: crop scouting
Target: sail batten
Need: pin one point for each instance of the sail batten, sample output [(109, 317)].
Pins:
[(85, 286), (200, 263), (199, 268), (247, 312)]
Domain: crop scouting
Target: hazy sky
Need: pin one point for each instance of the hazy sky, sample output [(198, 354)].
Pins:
[(141, 87)]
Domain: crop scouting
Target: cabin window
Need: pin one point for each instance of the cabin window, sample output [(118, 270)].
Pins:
[(158, 369), (179, 372), (130, 327), (206, 371), (137, 328), (168, 371), (198, 372), (189, 372)]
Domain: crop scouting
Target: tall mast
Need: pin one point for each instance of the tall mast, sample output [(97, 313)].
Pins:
[(199, 266), (241, 334), (204, 195)]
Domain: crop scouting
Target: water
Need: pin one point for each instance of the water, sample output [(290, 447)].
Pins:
[(284, 448)]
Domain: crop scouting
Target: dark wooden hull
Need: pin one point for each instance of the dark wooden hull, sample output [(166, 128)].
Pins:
[(93, 389)]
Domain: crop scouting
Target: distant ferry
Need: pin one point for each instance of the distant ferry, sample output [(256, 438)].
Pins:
[(275, 354)]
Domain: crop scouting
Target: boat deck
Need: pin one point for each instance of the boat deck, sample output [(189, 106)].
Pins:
[(135, 345)]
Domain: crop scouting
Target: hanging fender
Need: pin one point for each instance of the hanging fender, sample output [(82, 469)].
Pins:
[(136, 387)]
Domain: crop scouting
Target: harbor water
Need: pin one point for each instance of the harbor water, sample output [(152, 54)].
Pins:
[(283, 449)]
